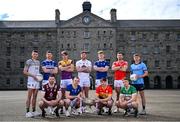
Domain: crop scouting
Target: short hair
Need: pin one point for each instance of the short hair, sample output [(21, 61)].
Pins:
[(51, 75), (120, 53), (35, 51), (83, 51), (64, 53), (137, 54), (103, 79), (100, 52), (48, 51)]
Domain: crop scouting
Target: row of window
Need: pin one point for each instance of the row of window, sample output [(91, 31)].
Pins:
[(8, 81), (145, 36)]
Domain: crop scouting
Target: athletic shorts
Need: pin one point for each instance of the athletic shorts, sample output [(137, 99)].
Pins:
[(33, 85), (118, 83), (139, 87), (84, 82), (65, 83)]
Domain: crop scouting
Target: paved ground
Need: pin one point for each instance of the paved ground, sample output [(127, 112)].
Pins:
[(162, 105)]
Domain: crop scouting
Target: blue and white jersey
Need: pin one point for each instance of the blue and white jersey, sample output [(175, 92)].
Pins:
[(73, 92), (100, 75), (138, 69), (49, 64)]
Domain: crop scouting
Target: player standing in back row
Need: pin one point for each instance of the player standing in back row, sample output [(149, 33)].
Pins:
[(101, 67), (31, 69), (119, 67), (140, 69)]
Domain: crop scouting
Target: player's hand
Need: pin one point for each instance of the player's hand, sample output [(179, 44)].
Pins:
[(35, 78)]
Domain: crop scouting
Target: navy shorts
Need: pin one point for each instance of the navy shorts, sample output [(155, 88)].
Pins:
[(139, 87)]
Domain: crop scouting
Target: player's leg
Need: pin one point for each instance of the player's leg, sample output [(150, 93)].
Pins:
[(28, 102), (117, 91), (135, 107), (34, 98), (42, 106), (67, 106), (143, 100), (109, 106)]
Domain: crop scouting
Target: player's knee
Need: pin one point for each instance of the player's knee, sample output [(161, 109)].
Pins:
[(41, 103)]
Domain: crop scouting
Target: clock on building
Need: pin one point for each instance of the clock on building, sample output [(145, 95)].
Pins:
[(86, 19)]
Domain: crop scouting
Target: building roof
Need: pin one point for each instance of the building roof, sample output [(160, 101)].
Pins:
[(120, 23), (28, 24)]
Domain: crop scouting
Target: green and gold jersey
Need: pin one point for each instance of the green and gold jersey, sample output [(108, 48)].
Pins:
[(127, 93)]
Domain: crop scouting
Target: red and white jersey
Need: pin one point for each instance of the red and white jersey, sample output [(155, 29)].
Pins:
[(118, 74)]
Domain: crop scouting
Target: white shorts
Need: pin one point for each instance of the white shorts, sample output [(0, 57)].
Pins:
[(84, 82), (65, 83), (98, 82), (118, 83), (33, 85), (44, 82)]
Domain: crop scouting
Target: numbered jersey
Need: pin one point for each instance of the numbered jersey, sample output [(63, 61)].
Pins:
[(33, 67)]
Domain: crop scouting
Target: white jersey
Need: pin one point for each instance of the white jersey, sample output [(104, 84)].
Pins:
[(33, 68), (83, 63)]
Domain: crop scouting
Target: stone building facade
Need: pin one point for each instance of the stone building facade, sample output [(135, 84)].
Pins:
[(157, 40)]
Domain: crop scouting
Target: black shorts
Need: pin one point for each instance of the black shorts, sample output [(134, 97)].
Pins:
[(139, 87)]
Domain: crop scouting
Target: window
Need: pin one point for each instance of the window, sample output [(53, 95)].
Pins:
[(168, 48), (178, 48), (21, 81), (62, 46), (86, 34), (35, 48), (133, 36), (145, 51), (74, 46), (145, 61), (144, 36), (155, 36), (168, 63), (110, 46), (167, 36), (36, 35), (104, 45), (22, 50), (22, 35), (133, 33), (21, 64), (156, 63), (156, 49), (86, 47), (68, 46), (133, 50), (98, 46), (8, 64), (8, 81), (49, 35), (121, 36), (8, 51), (74, 35), (178, 37)]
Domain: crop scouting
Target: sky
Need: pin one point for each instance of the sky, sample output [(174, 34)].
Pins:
[(126, 9)]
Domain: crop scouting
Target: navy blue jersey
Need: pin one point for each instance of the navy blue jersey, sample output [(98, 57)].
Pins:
[(100, 75)]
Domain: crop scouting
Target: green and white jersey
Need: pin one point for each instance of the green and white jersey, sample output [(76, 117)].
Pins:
[(127, 93)]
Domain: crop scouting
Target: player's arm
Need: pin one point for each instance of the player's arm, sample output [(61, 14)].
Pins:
[(121, 98), (114, 68), (107, 99), (144, 75), (104, 69), (68, 96), (55, 70), (96, 68), (25, 71), (43, 98), (133, 98), (70, 68)]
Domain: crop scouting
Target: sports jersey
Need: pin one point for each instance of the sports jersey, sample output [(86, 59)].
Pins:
[(118, 74), (103, 92), (138, 69), (33, 68), (73, 92), (83, 63), (100, 75), (65, 74), (51, 93), (127, 93), (49, 64)]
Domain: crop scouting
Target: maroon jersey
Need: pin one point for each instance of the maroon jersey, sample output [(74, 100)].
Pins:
[(51, 93)]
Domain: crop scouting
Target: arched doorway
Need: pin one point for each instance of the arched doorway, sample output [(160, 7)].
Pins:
[(178, 82), (157, 82), (146, 82), (169, 82)]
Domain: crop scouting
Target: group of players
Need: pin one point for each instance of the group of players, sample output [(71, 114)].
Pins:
[(72, 95)]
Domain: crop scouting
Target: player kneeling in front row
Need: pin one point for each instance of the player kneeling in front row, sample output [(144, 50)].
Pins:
[(128, 99), (50, 93), (104, 97), (73, 101)]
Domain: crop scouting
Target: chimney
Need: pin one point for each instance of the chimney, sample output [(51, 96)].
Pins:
[(86, 6), (57, 16), (113, 15)]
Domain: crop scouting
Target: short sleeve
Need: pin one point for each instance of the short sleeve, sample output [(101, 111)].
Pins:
[(107, 63), (133, 90), (68, 88), (27, 63), (97, 90), (110, 90), (43, 63), (55, 64), (144, 67)]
